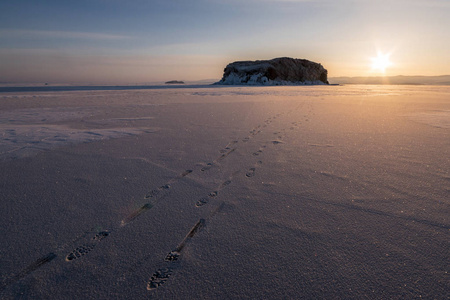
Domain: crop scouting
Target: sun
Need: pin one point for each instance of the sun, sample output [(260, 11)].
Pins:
[(381, 62)]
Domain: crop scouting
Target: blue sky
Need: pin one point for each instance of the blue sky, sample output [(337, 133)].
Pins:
[(111, 41)]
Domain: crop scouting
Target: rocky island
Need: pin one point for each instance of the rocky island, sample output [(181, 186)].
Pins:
[(174, 82), (277, 71)]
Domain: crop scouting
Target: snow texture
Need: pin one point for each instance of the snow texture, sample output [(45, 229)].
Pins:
[(226, 192)]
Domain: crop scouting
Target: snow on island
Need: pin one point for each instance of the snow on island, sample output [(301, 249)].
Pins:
[(277, 71)]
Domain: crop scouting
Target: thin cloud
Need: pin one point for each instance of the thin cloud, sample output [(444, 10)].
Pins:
[(20, 33)]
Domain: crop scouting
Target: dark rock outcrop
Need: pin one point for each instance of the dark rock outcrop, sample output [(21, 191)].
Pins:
[(174, 82), (277, 71)]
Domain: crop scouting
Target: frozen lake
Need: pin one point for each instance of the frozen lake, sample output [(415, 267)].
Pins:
[(225, 192)]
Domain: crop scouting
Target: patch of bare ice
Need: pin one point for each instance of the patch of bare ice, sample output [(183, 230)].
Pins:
[(27, 140), (25, 132)]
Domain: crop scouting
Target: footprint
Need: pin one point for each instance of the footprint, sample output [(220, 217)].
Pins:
[(174, 255), (202, 201), (225, 154), (228, 147), (257, 152), (79, 251), (157, 191), (205, 200), (221, 157), (34, 266), (152, 194), (207, 167), (136, 213), (251, 172), (163, 274), (159, 278), (255, 131), (225, 183), (186, 173), (86, 248)]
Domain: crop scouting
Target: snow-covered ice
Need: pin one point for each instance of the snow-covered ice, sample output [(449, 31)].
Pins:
[(294, 192)]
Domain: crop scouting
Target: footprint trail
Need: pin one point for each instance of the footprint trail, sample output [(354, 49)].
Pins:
[(204, 200), (160, 276), (88, 247)]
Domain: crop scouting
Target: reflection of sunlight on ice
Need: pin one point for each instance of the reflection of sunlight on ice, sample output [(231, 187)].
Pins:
[(439, 119)]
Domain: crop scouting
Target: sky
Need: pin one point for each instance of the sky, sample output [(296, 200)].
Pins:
[(145, 41)]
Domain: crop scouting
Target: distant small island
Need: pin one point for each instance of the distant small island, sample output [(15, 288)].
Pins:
[(174, 82), (277, 71)]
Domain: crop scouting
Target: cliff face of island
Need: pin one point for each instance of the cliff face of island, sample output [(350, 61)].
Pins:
[(277, 71)]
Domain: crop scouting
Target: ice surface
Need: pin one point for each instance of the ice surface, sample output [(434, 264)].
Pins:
[(436, 118), (298, 192)]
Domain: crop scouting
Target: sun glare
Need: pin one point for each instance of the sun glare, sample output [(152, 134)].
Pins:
[(381, 62)]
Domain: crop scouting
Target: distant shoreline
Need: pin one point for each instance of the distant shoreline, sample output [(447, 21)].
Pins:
[(393, 80), (48, 88), (67, 88)]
